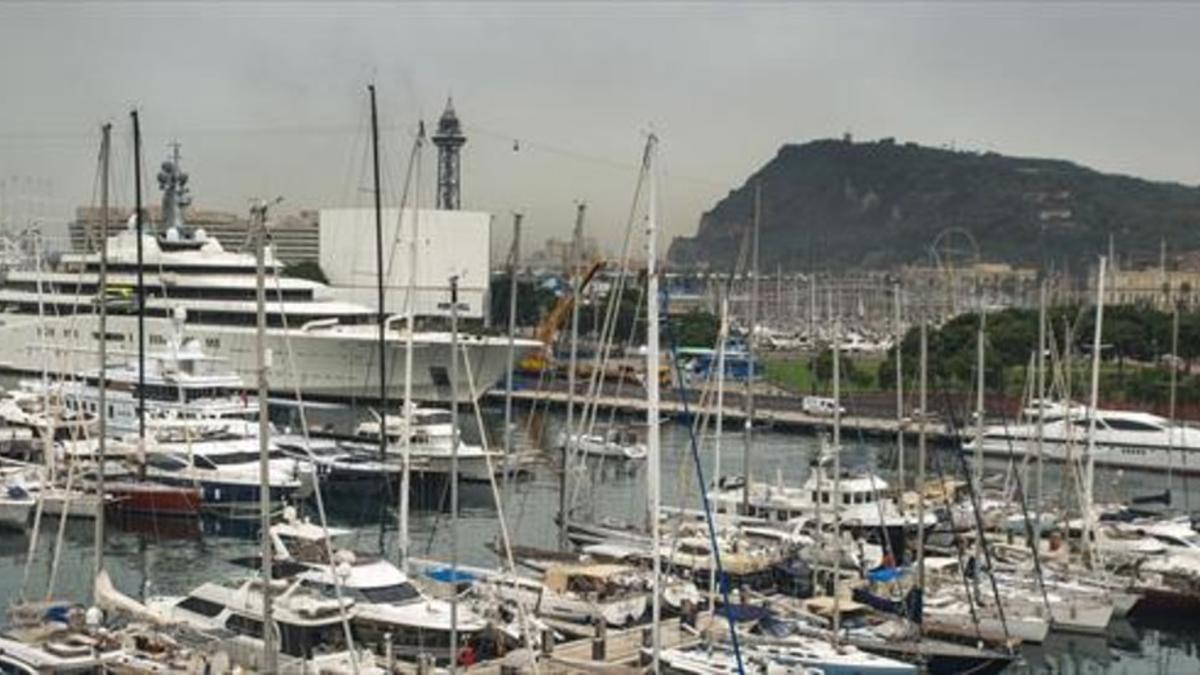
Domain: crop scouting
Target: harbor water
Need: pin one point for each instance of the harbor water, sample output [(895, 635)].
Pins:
[(161, 556)]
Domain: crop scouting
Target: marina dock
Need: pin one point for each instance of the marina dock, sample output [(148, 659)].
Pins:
[(778, 412)]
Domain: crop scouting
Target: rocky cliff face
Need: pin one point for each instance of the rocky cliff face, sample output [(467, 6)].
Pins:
[(832, 204)]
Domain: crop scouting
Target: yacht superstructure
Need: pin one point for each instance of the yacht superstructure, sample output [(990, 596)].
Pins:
[(325, 347), (1124, 438)]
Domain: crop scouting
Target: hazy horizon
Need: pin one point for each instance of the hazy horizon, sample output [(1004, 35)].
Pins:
[(270, 99)]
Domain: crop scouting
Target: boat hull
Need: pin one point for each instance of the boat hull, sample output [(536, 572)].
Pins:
[(14, 513), (332, 364), (158, 499)]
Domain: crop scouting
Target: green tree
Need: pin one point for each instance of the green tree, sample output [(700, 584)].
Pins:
[(697, 328)]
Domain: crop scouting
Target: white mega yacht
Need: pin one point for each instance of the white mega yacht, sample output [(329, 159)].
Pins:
[(1125, 439), (192, 275)]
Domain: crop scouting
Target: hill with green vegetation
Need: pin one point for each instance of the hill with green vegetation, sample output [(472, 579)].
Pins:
[(833, 204)]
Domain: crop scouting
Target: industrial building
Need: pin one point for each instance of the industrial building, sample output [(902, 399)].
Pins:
[(449, 243)]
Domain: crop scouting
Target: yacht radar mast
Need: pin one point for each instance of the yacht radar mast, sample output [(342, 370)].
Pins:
[(176, 196)]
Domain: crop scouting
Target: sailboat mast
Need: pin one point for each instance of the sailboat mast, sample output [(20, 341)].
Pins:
[(652, 403), (837, 470), (454, 470), (264, 430), (1041, 407), (141, 282), (722, 338), (383, 397), (1093, 399), (574, 271), (748, 429), (922, 395), (105, 148), (979, 384), (410, 328), (514, 265), (898, 340), (1174, 392)]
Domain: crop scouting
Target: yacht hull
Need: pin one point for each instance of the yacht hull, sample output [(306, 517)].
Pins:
[(334, 363), (1132, 456)]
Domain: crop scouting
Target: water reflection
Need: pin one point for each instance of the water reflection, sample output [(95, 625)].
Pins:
[(149, 556)]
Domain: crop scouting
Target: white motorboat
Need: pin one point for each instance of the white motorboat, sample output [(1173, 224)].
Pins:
[(185, 389), (579, 593), (430, 446), (310, 625), (388, 605), (862, 501), (613, 444), (226, 469), (1125, 439)]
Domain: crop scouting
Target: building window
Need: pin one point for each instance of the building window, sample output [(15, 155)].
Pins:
[(212, 343)]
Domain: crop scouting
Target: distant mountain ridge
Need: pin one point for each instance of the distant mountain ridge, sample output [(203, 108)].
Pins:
[(834, 204)]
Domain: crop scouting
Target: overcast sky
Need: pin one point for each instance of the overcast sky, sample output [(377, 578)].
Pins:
[(270, 99)]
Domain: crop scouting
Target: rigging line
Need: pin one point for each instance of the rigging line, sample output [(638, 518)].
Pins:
[(1029, 533), (411, 175), (955, 428), (614, 303), (708, 516), (973, 602), (584, 156), (526, 625)]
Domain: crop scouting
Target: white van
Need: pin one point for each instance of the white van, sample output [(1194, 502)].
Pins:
[(820, 405)]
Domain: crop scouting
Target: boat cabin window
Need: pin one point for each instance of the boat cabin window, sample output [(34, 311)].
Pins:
[(203, 462), (200, 606), (1186, 541), (304, 642), (395, 593), (166, 462), (224, 459), (435, 417), (244, 625), (1130, 425)]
